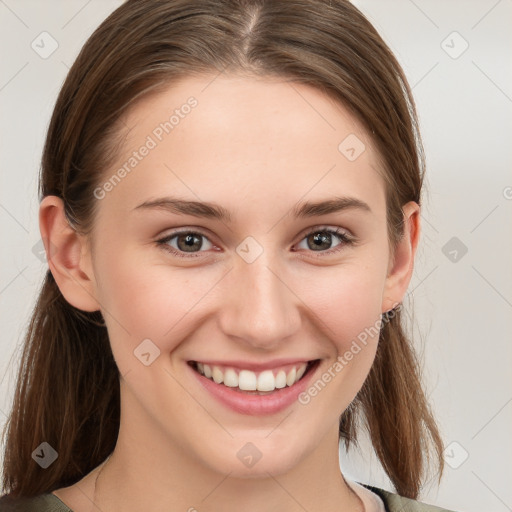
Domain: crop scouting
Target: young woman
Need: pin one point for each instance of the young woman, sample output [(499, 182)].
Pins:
[(230, 198)]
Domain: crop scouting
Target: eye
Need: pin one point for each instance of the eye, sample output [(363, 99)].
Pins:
[(186, 242), (321, 237)]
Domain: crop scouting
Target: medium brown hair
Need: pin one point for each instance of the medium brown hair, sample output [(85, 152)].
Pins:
[(67, 390)]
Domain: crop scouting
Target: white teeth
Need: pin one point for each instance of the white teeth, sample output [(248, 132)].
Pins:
[(217, 375), (266, 381), (247, 380), (300, 372), (280, 379), (290, 378), (230, 378)]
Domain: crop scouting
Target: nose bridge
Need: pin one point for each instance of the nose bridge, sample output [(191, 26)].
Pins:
[(259, 309)]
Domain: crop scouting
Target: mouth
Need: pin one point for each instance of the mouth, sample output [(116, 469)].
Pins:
[(249, 382)]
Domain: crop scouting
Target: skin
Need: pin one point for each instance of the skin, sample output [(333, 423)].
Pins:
[(177, 446)]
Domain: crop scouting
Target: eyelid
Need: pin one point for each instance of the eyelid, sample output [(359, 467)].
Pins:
[(326, 227)]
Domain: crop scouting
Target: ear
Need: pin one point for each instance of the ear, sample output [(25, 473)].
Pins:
[(68, 255), (402, 261)]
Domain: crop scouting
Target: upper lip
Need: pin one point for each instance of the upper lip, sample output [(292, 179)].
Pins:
[(255, 366)]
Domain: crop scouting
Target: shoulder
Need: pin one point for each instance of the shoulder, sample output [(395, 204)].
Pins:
[(42, 503), (395, 503)]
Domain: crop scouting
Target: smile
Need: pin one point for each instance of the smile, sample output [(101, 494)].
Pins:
[(244, 380)]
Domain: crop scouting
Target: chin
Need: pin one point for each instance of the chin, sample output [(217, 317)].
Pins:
[(256, 459)]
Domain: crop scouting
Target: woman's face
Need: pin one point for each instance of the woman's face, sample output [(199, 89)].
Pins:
[(262, 288)]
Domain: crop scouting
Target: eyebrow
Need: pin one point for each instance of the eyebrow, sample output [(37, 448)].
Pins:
[(214, 211)]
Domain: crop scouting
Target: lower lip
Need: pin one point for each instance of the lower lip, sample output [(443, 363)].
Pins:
[(256, 405)]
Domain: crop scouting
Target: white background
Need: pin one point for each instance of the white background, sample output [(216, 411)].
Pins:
[(462, 320)]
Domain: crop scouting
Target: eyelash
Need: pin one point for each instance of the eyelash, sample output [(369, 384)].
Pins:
[(344, 238)]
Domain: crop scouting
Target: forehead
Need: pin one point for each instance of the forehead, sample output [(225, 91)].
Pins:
[(271, 140)]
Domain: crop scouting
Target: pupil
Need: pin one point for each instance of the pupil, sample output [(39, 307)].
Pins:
[(319, 239), (189, 242)]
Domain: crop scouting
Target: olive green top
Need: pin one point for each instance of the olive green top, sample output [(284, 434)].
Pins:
[(50, 503)]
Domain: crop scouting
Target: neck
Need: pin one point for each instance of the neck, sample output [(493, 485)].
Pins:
[(116, 490)]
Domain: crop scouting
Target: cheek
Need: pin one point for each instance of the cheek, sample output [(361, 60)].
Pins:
[(142, 300), (346, 300), (347, 303)]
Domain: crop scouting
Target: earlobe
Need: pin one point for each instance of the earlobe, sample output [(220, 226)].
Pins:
[(67, 255), (402, 265)]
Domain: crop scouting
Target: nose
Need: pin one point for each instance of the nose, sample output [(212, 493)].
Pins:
[(260, 307)]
